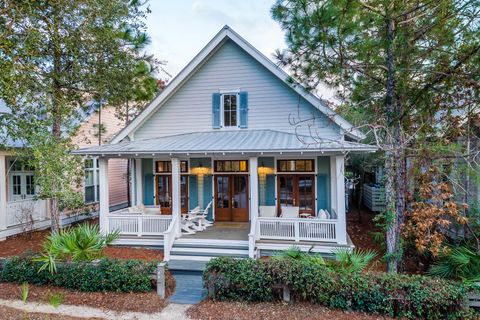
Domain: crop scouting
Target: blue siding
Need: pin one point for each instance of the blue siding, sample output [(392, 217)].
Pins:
[(192, 192), (323, 183), (270, 100), (270, 190), (148, 191)]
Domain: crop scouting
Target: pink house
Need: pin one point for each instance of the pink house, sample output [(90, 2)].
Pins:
[(18, 190)]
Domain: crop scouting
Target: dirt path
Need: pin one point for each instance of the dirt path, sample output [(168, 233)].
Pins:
[(171, 312)]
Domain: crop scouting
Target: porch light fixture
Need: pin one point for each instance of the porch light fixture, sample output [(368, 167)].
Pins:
[(200, 171)]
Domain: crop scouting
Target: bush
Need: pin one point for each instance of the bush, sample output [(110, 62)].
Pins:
[(106, 275), (407, 296)]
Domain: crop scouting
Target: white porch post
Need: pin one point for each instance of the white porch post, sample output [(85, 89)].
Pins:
[(253, 165), (3, 194), (138, 182), (104, 196), (176, 200), (340, 198)]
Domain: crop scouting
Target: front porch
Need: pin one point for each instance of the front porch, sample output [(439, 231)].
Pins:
[(252, 203), (289, 191)]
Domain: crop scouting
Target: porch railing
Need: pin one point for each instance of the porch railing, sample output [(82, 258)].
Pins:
[(324, 230), (253, 236), (169, 237), (139, 224)]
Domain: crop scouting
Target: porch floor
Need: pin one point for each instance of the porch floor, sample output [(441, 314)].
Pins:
[(223, 231)]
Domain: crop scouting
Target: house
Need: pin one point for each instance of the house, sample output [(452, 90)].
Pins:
[(220, 136), (21, 211)]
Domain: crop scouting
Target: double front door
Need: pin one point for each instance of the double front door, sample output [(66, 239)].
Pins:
[(163, 196), (231, 198), (296, 190)]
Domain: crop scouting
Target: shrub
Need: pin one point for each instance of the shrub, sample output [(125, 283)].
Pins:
[(84, 242), (106, 275), (407, 296)]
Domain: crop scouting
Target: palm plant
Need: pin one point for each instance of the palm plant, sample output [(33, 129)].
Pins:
[(82, 243), (295, 253), (353, 261), (458, 263)]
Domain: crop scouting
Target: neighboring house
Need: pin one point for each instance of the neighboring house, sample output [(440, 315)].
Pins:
[(21, 211), (220, 132)]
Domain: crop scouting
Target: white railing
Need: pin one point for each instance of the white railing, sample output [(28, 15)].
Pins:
[(20, 211), (138, 224), (324, 230), (169, 237), (253, 236)]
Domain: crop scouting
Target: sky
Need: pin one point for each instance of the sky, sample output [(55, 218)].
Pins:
[(179, 29)]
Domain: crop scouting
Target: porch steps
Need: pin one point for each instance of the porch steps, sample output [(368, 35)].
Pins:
[(193, 254)]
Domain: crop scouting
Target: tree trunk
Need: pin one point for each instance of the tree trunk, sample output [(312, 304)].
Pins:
[(394, 158)]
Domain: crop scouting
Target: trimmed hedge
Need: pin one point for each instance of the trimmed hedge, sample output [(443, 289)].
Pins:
[(106, 275), (397, 295)]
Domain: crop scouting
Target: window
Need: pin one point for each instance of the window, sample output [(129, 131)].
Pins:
[(230, 110), (295, 165), (92, 189), (166, 166), (21, 180), (231, 165)]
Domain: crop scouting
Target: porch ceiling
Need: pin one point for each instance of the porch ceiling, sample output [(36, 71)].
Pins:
[(234, 141)]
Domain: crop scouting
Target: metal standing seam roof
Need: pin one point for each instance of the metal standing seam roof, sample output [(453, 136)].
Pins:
[(226, 142)]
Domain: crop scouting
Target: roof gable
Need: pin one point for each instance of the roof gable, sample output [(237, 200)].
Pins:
[(204, 55)]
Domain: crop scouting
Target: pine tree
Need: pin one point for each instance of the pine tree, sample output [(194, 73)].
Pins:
[(397, 64)]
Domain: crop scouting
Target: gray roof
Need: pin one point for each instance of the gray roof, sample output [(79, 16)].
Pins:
[(237, 141)]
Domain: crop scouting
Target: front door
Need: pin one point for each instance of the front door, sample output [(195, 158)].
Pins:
[(297, 191), (231, 198), (164, 193)]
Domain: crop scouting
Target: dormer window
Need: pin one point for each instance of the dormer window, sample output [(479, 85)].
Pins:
[(229, 109)]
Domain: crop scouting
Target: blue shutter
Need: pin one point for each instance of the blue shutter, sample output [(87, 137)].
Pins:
[(148, 198), (243, 109), (216, 110)]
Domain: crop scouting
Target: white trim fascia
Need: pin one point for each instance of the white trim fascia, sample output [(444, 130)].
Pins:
[(201, 58)]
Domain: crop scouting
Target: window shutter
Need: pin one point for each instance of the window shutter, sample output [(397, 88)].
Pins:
[(216, 110), (243, 109)]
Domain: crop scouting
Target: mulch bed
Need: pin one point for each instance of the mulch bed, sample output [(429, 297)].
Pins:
[(148, 302), (32, 242), (210, 310), (360, 228), (15, 314)]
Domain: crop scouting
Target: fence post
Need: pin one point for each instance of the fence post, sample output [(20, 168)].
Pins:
[(296, 228), (161, 279)]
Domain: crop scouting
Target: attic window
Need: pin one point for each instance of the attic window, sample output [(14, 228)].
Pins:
[(229, 109)]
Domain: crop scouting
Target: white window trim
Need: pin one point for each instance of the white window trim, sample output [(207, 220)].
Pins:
[(222, 110), (95, 169), (23, 173)]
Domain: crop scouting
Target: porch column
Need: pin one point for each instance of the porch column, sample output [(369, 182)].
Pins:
[(176, 195), (253, 165), (340, 198), (138, 182), (3, 194), (104, 197)]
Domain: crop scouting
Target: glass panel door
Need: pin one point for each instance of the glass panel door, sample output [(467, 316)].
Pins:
[(184, 193), (239, 198), (222, 198), (286, 191), (164, 196), (305, 194)]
